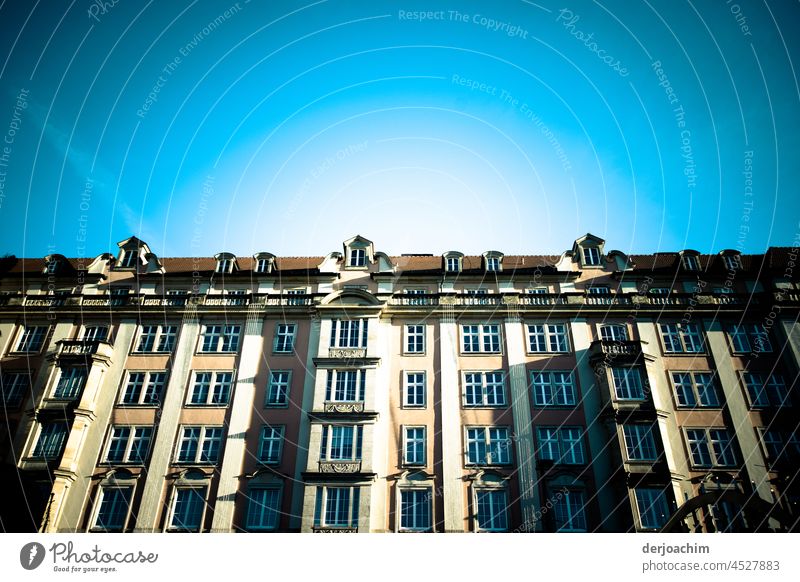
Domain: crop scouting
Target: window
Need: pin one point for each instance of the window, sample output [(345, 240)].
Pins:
[(652, 507), (220, 338), (599, 290), (695, 389), (263, 509), (480, 338), (627, 383), (488, 446), (483, 389), (691, 263), (128, 444), (211, 389), (278, 390), (562, 445), (296, 300), (336, 507), (415, 509), (415, 339), (591, 256), (349, 333), (112, 513), (119, 296), (284, 338), (550, 337), (772, 440), (129, 259), (681, 338), (765, 390), (156, 338), (452, 264), (270, 446), (345, 386), (31, 339), (358, 258), (93, 333), (613, 333), (553, 388), (415, 300), (224, 265), (13, 386), (51, 441), (341, 442), (71, 381), (659, 291), (199, 444), (710, 447), (491, 514), (414, 445), (187, 510), (750, 337), (732, 262), (640, 443), (492, 264), (569, 511), (143, 388), (414, 390)]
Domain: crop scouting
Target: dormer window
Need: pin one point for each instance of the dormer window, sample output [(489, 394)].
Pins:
[(453, 262), (690, 262), (262, 266), (264, 262), (52, 266), (591, 256), (128, 259), (358, 258), (733, 262), (493, 261), (224, 266)]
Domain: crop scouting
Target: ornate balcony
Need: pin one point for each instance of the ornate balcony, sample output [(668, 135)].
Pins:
[(615, 350), (340, 467), (83, 349), (344, 407)]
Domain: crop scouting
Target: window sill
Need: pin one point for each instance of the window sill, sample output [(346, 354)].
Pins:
[(276, 406)]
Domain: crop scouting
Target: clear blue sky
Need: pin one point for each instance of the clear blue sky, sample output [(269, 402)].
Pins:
[(290, 126)]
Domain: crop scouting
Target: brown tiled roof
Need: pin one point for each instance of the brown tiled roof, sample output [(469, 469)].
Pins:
[(473, 262)]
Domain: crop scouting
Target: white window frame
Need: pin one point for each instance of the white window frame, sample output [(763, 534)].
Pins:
[(750, 336), (633, 391), (452, 264), (566, 391), (147, 381), (281, 386), (101, 494), (130, 440), (568, 440), (640, 433), (681, 333), (16, 384), (407, 393), (201, 441), (352, 512), (569, 512), (733, 262), (27, 332), (129, 259), (287, 331), (278, 429), (229, 333), (694, 388), (338, 381), (484, 386), (89, 333), (482, 336), (174, 503), (554, 336), (357, 257), (590, 256), (414, 341), (75, 375), (423, 441), (40, 430), (655, 496), (609, 332), (428, 493), (710, 449), (349, 333), (487, 444), (690, 262), (491, 491), (768, 391), (492, 264), (251, 526), (327, 443), (211, 390)]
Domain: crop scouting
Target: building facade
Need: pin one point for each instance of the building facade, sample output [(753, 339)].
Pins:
[(590, 391)]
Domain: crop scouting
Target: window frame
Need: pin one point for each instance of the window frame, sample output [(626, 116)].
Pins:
[(220, 339), (695, 391), (551, 384), (204, 487), (548, 334), (201, 440), (589, 258), (98, 505), (682, 331), (482, 336), (477, 492), (405, 401), (418, 337), (271, 383), (660, 495), (143, 389), (484, 389), (640, 444), (278, 457), (353, 513), (158, 338), (129, 445), (710, 448), (213, 382), (399, 511), (405, 462), (249, 525), (768, 380), (42, 339), (11, 384), (568, 454), (292, 341), (487, 444)]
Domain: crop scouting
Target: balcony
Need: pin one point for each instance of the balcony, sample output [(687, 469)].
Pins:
[(344, 407), (414, 300), (347, 353), (542, 299), (340, 467), (229, 300), (83, 349), (611, 350)]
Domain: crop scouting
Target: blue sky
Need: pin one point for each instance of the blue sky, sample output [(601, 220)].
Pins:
[(290, 126)]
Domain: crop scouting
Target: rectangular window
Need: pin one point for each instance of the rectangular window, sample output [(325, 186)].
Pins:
[(627, 383), (31, 339), (345, 386), (224, 265), (187, 511), (492, 264), (358, 257), (211, 389), (337, 507), (270, 446), (278, 390), (143, 388), (694, 389), (766, 390), (199, 445), (748, 338), (415, 509), (591, 256), (732, 262), (341, 442), (613, 333), (570, 513), (640, 442), (112, 513), (128, 444), (414, 390), (488, 446), (71, 380), (562, 445), (349, 333), (415, 339), (773, 444), (710, 447), (553, 388), (284, 338), (414, 445), (415, 300), (492, 507), (156, 338), (263, 509), (548, 338), (128, 259), (14, 386), (220, 338), (681, 338), (480, 338), (691, 263), (262, 266), (93, 333), (484, 389), (51, 441), (452, 264), (652, 507)]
